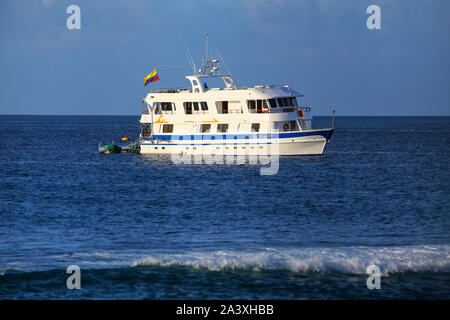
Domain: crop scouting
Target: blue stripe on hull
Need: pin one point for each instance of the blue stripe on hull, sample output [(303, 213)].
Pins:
[(204, 144), (325, 133)]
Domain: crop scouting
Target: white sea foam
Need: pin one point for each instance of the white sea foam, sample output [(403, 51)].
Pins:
[(349, 260)]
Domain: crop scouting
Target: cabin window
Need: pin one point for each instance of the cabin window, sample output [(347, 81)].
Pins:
[(280, 102), (259, 106), (167, 106), (255, 127), (251, 104), (187, 107), (285, 102), (168, 128), (191, 107), (205, 127), (273, 103), (157, 109), (222, 127), (224, 106), (164, 106), (289, 102)]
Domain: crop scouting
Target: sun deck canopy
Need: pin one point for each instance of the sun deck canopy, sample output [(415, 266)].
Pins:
[(199, 82)]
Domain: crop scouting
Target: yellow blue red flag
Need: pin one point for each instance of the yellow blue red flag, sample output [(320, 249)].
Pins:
[(151, 77)]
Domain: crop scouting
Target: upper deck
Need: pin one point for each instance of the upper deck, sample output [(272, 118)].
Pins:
[(227, 99), (258, 99), (228, 109)]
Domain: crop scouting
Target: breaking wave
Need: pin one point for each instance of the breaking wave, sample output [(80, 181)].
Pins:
[(349, 260)]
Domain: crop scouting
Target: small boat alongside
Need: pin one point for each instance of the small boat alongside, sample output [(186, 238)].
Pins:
[(114, 148)]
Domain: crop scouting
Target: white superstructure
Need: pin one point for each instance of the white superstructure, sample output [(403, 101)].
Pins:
[(228, 120)]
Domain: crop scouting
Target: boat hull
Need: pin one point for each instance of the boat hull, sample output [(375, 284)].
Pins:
[(302, 143)]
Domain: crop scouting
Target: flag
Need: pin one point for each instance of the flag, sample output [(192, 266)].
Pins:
[(151, 77)]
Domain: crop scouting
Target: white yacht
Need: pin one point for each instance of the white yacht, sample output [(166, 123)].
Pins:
[(228, 120)]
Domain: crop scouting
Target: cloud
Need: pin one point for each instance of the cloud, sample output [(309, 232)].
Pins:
[(48, 3)]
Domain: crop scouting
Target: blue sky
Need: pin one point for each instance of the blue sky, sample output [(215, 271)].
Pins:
[(322, 48)]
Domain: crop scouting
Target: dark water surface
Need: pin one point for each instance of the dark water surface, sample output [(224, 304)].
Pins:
[(143, 227)]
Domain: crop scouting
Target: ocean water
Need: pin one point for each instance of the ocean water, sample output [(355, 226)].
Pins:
[(142, 227)]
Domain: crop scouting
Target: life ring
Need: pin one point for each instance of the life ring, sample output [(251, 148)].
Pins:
[(286, 127), (301, 113)]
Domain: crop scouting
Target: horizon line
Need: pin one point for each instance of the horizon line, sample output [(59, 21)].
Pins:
[(136, 115)]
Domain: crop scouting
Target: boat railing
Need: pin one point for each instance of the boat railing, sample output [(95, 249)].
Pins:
[(190, 112), (271, 86), (260, 111), (165, 111), (169, 90)]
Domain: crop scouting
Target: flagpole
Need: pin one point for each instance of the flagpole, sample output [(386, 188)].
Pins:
[(160, 83)]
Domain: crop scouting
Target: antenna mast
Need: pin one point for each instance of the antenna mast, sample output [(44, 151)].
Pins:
[(188, 53), (223, 60), (208, 66), (206, 34)]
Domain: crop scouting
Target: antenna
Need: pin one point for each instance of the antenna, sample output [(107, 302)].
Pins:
[(223, 60), (188, 54), (332, 121), (206, 34), (208, 67)]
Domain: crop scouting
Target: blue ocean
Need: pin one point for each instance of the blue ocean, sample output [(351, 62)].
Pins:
[(143, 227)]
